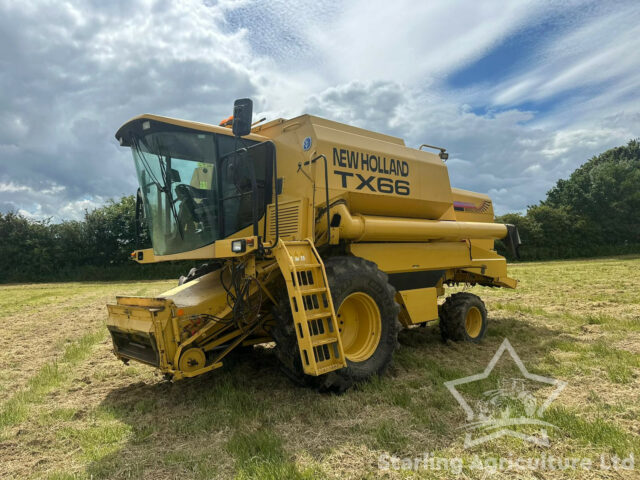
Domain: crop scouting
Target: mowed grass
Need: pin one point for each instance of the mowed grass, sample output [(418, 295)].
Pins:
[(69, 410)]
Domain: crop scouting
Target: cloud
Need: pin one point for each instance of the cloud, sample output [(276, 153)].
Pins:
[(500, 152), (409, 41), (77, 71), (374, 104), (596, 58)]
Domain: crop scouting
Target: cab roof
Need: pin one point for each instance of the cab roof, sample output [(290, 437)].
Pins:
[(137, 126)]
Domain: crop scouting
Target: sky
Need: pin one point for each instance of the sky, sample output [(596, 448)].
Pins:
[(520, 93)]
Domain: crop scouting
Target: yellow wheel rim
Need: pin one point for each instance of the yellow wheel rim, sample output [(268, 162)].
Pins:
[(360, 326), (473, 322)]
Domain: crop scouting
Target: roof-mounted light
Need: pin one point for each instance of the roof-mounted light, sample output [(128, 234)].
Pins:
[(443, 151)]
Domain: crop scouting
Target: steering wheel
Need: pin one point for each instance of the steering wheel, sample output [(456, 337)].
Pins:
[(202, 214)]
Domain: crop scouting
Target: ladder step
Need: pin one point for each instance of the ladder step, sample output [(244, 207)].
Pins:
[(315, 316), (306, 266), (329, 368), (306, 291), (323, 341)]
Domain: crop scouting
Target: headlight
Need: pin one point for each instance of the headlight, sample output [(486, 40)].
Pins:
[(238, 246)]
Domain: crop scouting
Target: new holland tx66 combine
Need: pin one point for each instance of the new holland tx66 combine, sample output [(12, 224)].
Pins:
[(321, 237)]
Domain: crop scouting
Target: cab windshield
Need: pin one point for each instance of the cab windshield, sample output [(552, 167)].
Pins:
[(197, 186)]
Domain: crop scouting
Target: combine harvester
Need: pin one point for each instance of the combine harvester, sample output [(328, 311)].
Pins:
[(321, 237)]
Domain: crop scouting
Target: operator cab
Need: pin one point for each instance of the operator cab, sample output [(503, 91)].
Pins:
[(198, 182)]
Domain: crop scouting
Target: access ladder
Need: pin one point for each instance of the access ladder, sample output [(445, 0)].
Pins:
[(314, 317)]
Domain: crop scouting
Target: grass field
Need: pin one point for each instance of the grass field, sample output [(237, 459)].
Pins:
[(68, 409)]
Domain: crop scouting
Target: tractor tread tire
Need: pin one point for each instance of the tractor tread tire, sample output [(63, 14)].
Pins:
[(453, 314), (346, 274)]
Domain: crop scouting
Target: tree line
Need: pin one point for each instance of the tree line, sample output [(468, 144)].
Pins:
[(593, 212), (95, 248)]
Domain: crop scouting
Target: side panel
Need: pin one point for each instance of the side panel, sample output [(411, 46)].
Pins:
[(420, 305), (382, 178), (489, 264), (376, 174), (421, 265), (394, 258), (294, 220)]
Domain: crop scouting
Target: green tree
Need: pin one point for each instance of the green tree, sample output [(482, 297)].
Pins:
[(97, 247), (594, 211)]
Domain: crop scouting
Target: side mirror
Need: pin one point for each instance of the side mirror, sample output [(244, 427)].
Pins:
[(242, 115)]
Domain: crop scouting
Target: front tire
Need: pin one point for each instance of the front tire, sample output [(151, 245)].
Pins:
[(367, 317)]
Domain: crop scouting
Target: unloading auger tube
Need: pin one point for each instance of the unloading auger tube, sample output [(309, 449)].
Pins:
[(368, 228), (325, 259)]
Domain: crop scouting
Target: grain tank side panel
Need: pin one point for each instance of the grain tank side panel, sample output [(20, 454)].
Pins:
[(378, 177), (375, 173)]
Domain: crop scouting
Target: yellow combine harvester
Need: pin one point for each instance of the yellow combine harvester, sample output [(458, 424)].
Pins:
[(321, 237)]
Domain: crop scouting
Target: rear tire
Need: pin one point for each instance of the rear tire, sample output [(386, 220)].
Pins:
[(463, 318), (367, 317)]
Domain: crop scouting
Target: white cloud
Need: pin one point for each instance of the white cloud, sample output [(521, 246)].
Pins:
[(78, 71), (11, 187), (410, 41), (601, 54), (45, 202), (75, 210)]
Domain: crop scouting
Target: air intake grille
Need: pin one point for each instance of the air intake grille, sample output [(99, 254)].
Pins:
[(288, 219)]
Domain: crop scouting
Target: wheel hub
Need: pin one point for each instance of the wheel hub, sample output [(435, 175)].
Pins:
[(360, 326), (473, 322), (191, 360)]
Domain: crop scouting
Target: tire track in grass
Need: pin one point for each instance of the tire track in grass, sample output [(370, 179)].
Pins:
[(39, 333), (51, 375), (38, 338)]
